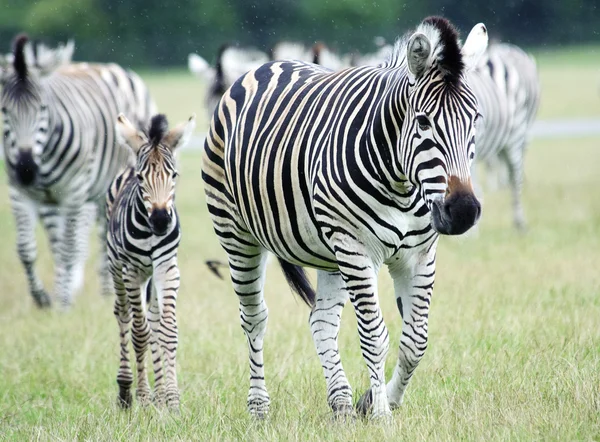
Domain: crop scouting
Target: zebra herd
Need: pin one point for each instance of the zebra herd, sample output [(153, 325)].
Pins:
[(342, 170)]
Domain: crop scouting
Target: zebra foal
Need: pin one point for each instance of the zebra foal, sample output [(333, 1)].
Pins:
[(346, 172), (143, 237)]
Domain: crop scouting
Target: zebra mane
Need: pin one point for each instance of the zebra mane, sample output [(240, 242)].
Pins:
[(19, 56), (445, 47), (158, 129)]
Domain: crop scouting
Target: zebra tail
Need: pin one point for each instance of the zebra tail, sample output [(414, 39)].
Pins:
[(298, 281)]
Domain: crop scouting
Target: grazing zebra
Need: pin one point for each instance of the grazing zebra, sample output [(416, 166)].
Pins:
[(507, 88), (143, 236), (345, 172), (61, 155)]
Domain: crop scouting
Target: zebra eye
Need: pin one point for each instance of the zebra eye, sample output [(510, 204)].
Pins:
[(423, 121), (175, 174), (140, 177)]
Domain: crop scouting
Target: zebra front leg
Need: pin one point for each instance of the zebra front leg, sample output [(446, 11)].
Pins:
[(166, 280), (140, 334), (157, 361), (360, 277), (325, 325), (103, 273), (25, 218), (248, 275), (53, 223), (122, 312), (69, 268), (413, 287)]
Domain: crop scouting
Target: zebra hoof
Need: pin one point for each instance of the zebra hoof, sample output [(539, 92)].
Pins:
[(258, 409), (124, 399), (41, 299), (143, 397), (365, 403), (343, 412)]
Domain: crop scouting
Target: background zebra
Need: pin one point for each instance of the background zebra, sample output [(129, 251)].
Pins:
[(60, 153), (232, 62), (345, 172), (142, 240), (508, 90)]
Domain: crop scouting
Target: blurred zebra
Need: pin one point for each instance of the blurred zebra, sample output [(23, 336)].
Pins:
[(508, 90), (60, 154), (345, 172), (232, 62), (143, 238)]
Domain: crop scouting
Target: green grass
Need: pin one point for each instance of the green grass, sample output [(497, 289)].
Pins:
[(570, 82), (514, 346)]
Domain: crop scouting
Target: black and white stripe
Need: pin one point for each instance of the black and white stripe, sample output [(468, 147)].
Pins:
[(344, 172), (61, 155), (143, 238)]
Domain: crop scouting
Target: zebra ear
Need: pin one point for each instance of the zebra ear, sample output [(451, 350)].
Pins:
[(48, 59), (417, 54), (128, 135), (181, 134), (474, 46), (200, 67), (4, 65)]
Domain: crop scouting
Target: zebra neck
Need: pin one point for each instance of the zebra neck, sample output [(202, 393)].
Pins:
[(383, 142)]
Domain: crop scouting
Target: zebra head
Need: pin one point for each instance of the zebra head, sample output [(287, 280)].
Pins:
[(438, 133), (25, 111), (155, 165)]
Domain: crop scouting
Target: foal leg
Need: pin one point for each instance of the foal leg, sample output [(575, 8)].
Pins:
[(140, 335), (122, 312)]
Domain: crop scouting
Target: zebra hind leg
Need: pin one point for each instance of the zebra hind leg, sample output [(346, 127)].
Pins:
[(248, 275), (325, 324), (514, 162), (25, 218)]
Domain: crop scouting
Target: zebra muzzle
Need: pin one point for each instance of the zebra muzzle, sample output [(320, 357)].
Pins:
[(159, 221), (456, 214), (26, 168)]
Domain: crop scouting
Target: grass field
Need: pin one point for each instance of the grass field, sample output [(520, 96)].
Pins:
[(514, 349)]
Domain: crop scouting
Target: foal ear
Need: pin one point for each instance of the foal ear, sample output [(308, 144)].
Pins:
[(181, 134), (127, 134), (474, 46)]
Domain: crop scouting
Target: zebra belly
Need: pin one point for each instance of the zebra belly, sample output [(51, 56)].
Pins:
[(295, 239)]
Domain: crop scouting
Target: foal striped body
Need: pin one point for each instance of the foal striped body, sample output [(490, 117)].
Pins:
[(143, 239), (345, 172)]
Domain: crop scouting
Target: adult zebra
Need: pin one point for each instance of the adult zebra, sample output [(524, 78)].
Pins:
[(143, 237), (61, 155), (508, 91), (345, 172)]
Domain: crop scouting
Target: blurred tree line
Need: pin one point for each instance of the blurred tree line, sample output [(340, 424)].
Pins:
[(141, 33)]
